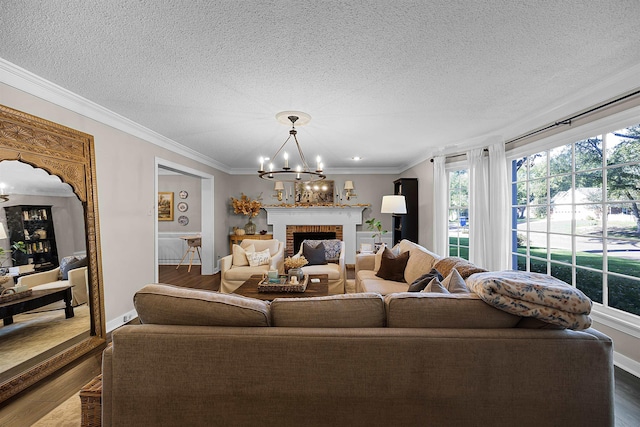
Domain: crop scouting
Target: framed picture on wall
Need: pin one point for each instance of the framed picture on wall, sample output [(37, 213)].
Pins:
[(318, 193), (165, 206)]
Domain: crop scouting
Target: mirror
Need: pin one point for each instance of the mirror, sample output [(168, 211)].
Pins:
[(49, 175)]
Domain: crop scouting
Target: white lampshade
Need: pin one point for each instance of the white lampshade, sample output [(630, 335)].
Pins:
[(279, 186), (394, 205), (348, 185), (3, 234)]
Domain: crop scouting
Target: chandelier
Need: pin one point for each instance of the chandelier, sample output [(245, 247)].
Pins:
[(302, 171)]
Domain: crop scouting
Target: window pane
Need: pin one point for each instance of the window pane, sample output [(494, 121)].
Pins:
[(453, 251), (624, 294), (538, 191), (538, 265), (521, 168), (589, 253), (623, 146), (561, 248), (589, 153), (590, 282), (622, 183), (622, 221), (588, 187), (591, 222), (560, 160), (560, 189), (521, 193), (562, 272), (538, 242), (538, 220), (560, 221), (538, 165), (623, 256), (521, 263)]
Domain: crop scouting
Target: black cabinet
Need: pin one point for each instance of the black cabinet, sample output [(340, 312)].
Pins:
[(33, 225), (405, 226)]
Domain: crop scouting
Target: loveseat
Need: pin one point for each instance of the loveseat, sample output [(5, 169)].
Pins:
[(332, 264), (71, 272), (203, 358), (235, 268)]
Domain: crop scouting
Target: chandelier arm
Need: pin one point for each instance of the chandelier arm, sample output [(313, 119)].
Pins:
[(305, 166), (281, 147)]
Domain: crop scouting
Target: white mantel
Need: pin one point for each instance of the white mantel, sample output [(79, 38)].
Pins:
[(346, 216)]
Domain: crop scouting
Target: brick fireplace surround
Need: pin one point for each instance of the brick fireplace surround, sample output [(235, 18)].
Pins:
[(310, 229), (341, 219)]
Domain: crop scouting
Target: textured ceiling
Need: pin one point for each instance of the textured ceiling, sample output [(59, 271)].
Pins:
[(391, 81)]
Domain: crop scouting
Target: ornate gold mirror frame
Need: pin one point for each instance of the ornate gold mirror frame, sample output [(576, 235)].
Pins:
[(69, 154)]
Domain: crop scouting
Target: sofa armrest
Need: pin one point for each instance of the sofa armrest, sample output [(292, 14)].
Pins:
[(225, 263), (78, 279), (365, 262), (277, 260), (40, 278)]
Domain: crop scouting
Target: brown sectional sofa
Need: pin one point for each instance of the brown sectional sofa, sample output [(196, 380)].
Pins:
[(205, 358)]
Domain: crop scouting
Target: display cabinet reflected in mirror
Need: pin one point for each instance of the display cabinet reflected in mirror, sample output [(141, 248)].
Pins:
[(47, 180)]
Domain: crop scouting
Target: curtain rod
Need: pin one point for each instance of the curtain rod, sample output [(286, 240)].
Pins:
[(565, 121)]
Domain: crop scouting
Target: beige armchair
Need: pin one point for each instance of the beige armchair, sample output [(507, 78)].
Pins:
[(51, 279), (233, 276), (336, 271)]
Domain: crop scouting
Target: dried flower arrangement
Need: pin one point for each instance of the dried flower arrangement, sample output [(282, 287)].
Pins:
[(245, 206), (297, 262)]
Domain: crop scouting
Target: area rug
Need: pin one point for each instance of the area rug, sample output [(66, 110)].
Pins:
[(33, 337)]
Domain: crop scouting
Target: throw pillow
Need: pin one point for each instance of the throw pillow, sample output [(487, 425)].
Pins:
[(72, 265), (421, 282), (455, 283), (240, 255), (436, 287), (63, 266), (392, 267), (315, 256), (258, 258), (464, 267)]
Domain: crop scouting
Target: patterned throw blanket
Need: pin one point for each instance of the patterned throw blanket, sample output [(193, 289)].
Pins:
[(533, 295)]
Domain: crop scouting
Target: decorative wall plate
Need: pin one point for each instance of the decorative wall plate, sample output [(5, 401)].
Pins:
[(183, 194), (183, 220), (183, 207)]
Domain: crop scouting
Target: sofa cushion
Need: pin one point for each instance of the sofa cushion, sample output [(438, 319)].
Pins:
[(420, 262), (361, 310), (435, 310), (240, 254), (314, 255), (258, 258), (70, 263), (173, 305), (464, 267), (369, 282), (331, 269), (392, 267), (421, 282)]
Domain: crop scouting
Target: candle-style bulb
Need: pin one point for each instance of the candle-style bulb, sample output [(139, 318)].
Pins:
[(286, 160)]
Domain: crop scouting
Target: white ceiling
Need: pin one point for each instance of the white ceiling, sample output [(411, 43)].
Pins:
[(392, 81)]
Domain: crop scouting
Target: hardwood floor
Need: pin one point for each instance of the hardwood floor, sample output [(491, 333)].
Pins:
[(36, 402)]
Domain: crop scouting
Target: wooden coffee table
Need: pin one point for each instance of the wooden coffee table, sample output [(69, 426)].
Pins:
[(250, 289), (37, 299)]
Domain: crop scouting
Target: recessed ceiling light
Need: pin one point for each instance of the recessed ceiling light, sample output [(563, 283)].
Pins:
[(356, 158)]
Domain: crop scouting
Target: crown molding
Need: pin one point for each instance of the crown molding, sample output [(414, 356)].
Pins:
[(26, 81)]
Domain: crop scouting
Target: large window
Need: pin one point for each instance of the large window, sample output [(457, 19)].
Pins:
[(459, 213), (576, 216)]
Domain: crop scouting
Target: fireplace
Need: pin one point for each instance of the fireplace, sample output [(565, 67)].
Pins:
[(341, 220), (297, 233)]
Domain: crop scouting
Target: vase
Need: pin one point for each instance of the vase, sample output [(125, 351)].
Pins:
[(296, 272), (250, 227)]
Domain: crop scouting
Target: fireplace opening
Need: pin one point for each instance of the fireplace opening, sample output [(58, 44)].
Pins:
[(299, 237)]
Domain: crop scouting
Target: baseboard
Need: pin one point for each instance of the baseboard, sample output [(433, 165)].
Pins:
[(627, 364), (121, 320)]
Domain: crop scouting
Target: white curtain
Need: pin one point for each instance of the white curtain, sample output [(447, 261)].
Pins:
[(499, 255), (441, 207), (480, 237)]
